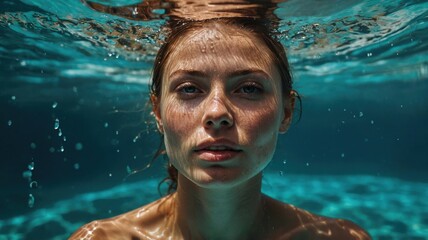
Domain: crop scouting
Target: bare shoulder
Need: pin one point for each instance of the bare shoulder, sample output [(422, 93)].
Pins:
[(136, 224), (295, 223)]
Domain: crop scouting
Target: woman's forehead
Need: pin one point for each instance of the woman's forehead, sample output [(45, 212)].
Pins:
[(219, 46)]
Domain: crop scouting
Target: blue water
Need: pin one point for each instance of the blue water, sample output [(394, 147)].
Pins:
[(74, 121)]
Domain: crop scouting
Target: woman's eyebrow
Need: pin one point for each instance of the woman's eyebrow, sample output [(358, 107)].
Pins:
[(245, 72), (193, 73), (235, 74)]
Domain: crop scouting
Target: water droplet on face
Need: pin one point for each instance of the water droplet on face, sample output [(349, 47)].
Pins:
[(54, 104), (56, 124), (31, 200)]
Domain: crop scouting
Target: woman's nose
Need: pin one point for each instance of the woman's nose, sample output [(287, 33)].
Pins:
[(217, 114)]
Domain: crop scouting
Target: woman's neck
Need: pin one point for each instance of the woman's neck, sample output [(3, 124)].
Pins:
[(230, 213)]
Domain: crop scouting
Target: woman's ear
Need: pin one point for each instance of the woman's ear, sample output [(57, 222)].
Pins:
[(288, 112), (156, 112)]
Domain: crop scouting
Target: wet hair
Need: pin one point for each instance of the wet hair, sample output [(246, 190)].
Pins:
[(255, 26)]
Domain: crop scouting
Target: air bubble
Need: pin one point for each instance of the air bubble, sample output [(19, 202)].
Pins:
[(128, 169), (13, 98), (110, 174), (33, 184), (23, 63), (76, 166), (284, 162), (307, 164), (31, 166), (361, 114), (33, 145), (106, 125), (78, 146), (52, 149), (59, 132), (281, 173), (9, 123), (342, 155), (56, 124), (61, 149), (31, 200), (369, 54), (27, 175), (372, 122), (54, 105)]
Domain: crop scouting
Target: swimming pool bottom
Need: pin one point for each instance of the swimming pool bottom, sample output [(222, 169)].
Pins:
[(387, 208)]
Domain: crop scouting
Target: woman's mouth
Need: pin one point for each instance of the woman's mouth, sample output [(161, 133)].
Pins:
[(217, 153)]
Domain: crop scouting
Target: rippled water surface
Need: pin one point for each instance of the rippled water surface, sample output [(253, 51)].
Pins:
[(73, 115)]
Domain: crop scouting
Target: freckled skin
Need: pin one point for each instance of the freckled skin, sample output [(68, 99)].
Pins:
[(221, 83), (255, 122)]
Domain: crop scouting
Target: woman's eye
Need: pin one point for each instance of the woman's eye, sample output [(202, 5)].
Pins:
[(188, 89), (252, 88)]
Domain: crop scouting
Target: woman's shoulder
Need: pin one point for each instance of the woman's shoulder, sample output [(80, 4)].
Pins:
[(297, 223), (135, 224)]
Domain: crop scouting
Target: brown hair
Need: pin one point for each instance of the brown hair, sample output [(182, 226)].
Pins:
[(179, 29)]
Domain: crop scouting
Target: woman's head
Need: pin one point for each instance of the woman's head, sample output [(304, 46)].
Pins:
[(221, 93)]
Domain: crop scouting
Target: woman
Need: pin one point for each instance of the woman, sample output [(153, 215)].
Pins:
[(221, 94)]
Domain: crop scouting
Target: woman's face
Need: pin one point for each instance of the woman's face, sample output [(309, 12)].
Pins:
[(221, 106)]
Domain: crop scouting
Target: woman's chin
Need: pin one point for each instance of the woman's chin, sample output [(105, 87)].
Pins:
[(218, 177)]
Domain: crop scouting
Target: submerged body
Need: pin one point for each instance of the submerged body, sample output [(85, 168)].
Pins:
[(222, 95), (281, 221)]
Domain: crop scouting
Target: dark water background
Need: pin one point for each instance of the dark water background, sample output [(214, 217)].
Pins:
[(361, 67)]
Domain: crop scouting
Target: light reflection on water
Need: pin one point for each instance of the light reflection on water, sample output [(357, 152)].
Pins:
[(352, 43)]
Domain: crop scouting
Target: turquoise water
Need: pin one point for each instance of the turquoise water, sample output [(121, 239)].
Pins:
[(73, 121)]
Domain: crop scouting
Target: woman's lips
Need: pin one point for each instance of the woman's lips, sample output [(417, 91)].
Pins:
[(217, 154), (217, 150)]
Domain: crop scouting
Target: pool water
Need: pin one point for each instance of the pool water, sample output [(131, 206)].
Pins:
[(74, 120)]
